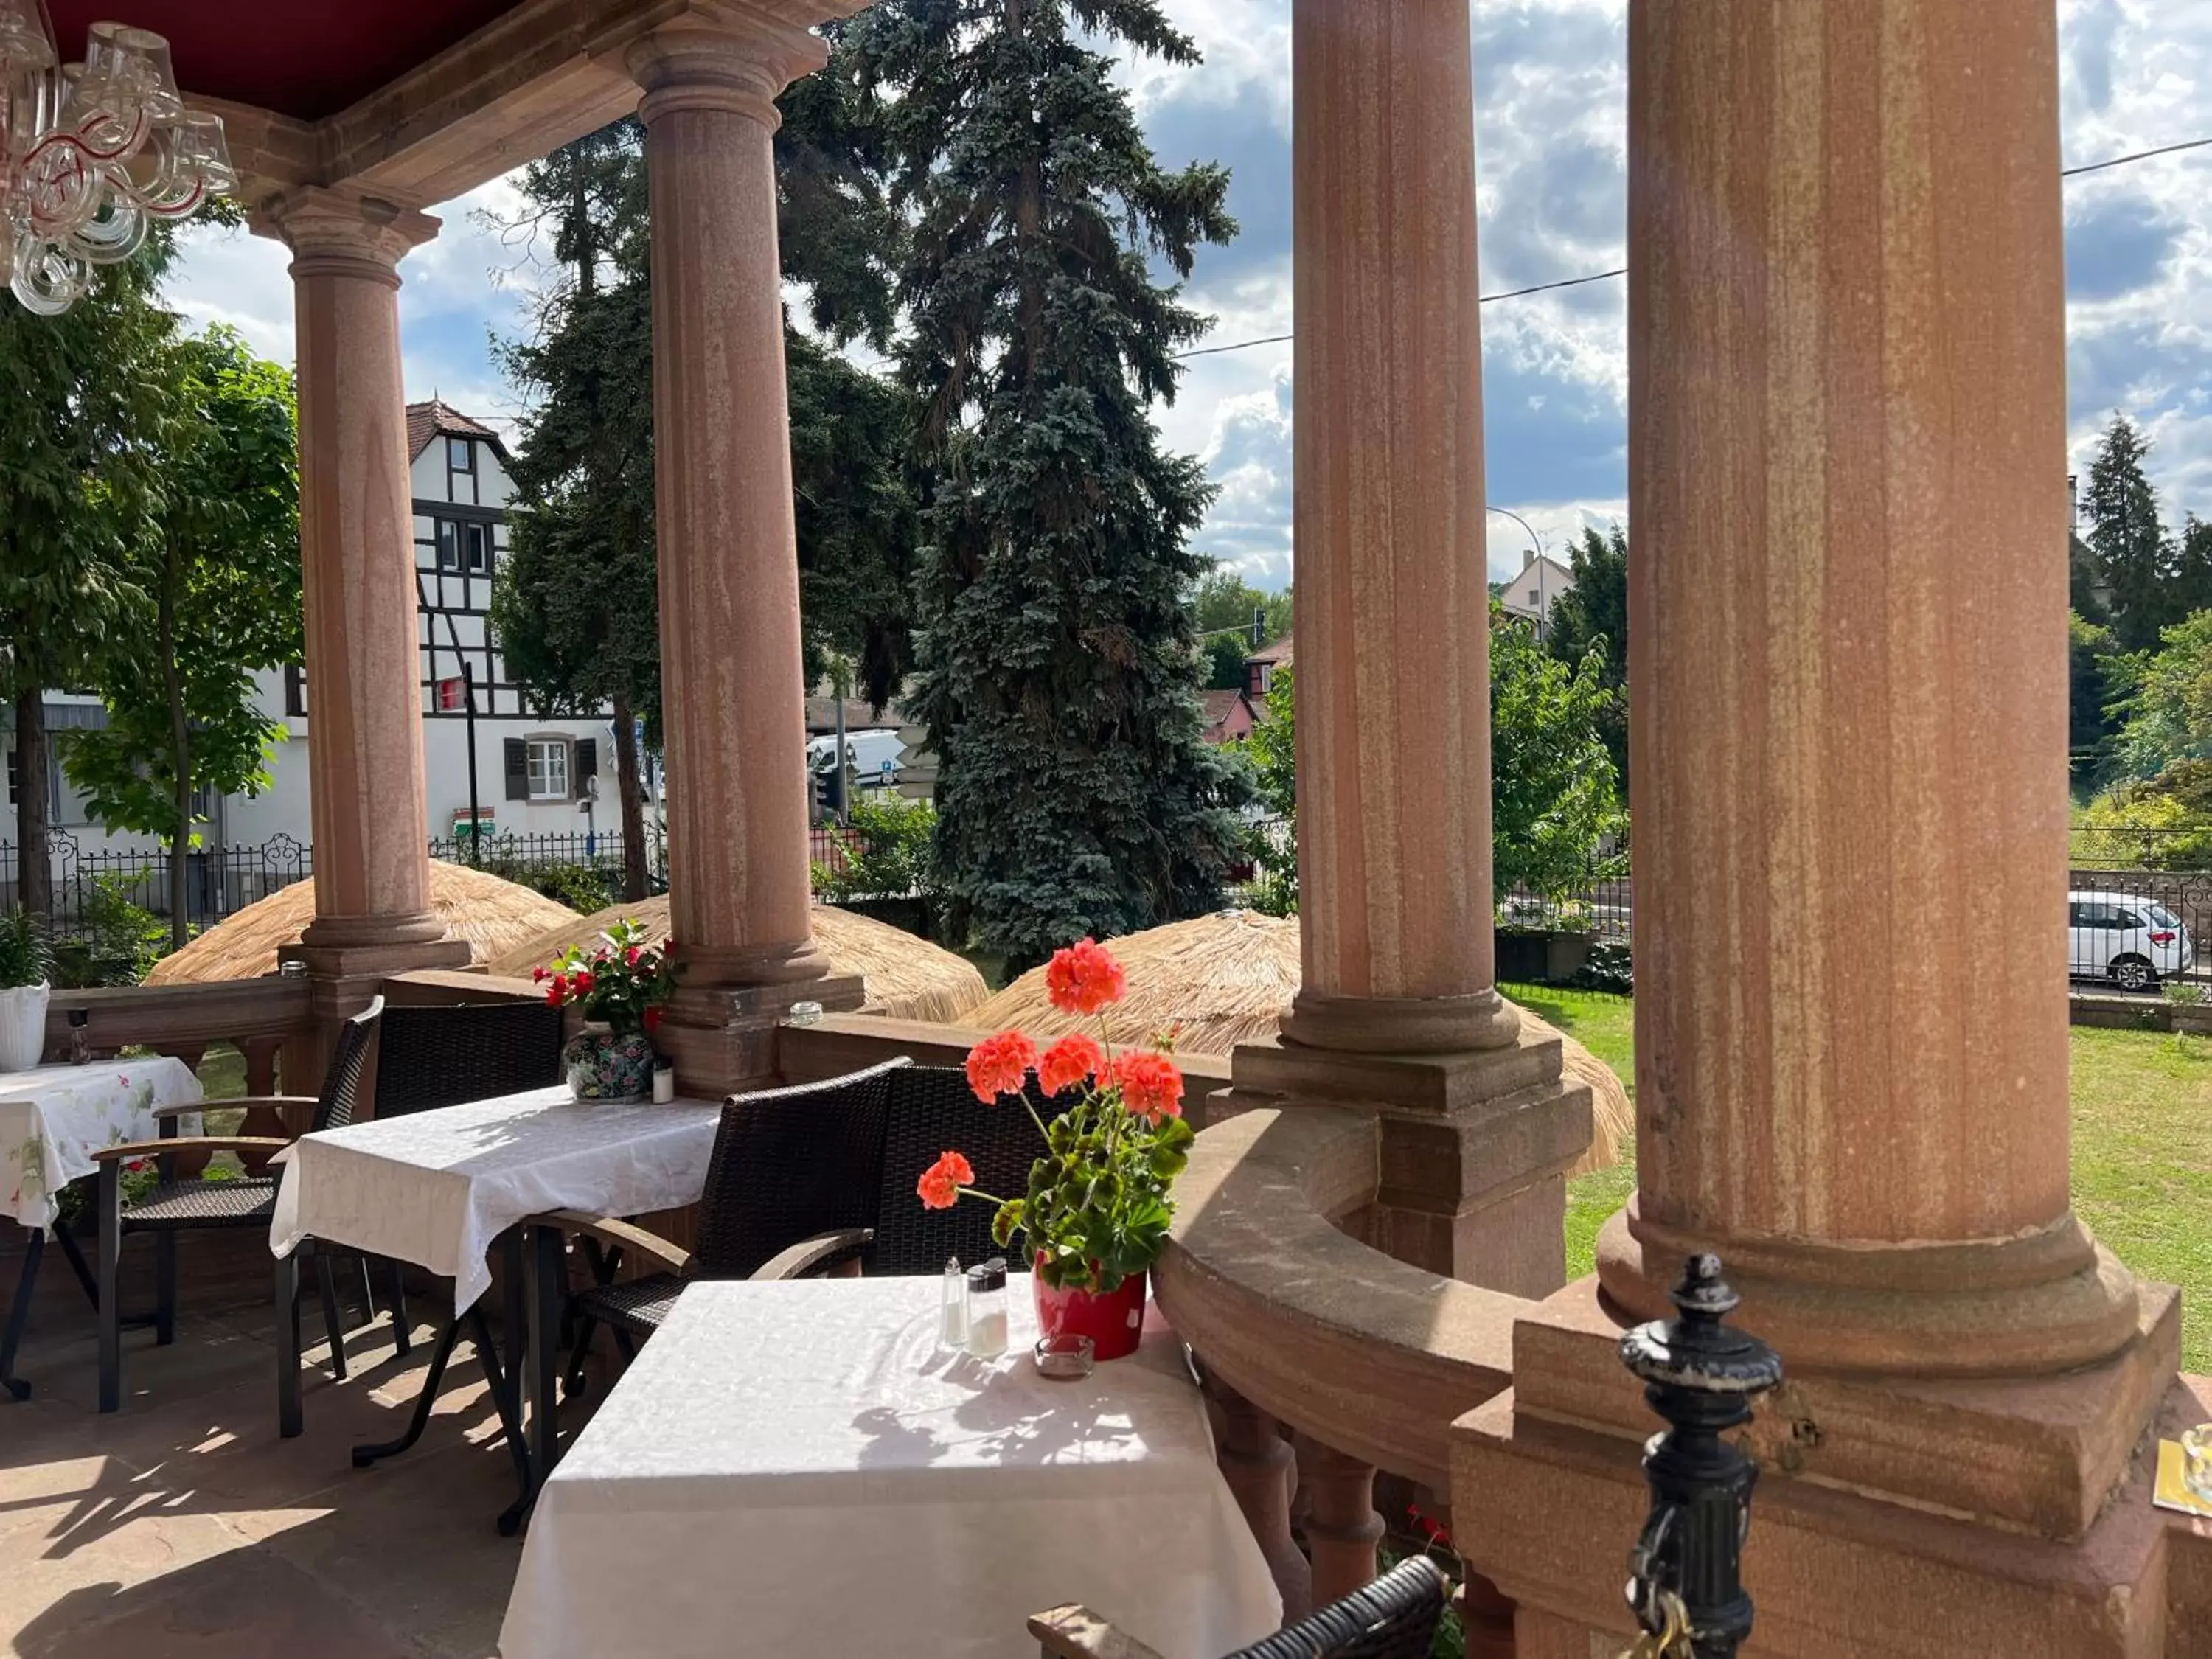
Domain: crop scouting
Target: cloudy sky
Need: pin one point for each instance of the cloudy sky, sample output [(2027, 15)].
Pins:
[(1550, 88)]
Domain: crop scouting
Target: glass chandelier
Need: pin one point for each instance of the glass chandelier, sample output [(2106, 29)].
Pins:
[(90, 151)]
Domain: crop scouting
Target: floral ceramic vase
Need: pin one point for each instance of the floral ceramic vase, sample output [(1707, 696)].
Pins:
[(604, 1065)]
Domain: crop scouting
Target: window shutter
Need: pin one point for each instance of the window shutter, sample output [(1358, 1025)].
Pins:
[(588, 761), (518, 769)]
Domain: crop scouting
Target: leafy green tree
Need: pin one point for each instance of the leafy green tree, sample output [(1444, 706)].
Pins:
[(1058, 661), (1554, 798), (83, 399), (2127, 540), (2163, 699), (1593, 616), (1272, 749), (1223, 608), (2089, 651), (215, 598)]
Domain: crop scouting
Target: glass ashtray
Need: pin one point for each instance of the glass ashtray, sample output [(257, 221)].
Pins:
[(1065, 1358)]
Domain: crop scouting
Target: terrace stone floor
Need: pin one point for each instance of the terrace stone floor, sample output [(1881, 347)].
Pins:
[(183, 1527)]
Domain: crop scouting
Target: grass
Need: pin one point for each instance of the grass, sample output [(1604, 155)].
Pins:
[(2142, 1149)]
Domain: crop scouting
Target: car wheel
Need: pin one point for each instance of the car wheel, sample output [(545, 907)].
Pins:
[(2134, 974)]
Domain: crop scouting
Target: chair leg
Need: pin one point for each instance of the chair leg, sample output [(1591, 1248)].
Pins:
[(367, 1292), (403, 1337), (575, 1384), (109, 1197), (326, 1284), (288, 1416), (19, 1314), (165, 1287)]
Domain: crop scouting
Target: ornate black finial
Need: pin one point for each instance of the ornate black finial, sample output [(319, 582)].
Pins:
[(1700, 1376)]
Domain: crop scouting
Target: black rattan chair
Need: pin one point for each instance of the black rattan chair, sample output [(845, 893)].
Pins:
[(177, 1206), (1393, 1618), (813, 1179), (428, 1058)]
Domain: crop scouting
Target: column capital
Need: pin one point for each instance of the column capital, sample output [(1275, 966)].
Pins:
[(342, 232), (733, 61)]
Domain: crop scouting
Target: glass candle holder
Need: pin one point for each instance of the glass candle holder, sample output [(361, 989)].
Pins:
[(1064, 1357), (2196, 1461)]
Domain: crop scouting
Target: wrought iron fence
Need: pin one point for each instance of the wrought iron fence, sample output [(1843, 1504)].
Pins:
[(97, 887)]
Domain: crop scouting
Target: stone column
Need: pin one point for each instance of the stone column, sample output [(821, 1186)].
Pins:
[(1847, 432), (357, 554), (732, 694), (1393, 665), (1397, 1010)]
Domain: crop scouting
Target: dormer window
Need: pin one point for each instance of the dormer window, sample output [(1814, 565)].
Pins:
[(461, 454)]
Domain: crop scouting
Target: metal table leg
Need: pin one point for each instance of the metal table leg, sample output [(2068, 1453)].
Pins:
[(19, 1315)]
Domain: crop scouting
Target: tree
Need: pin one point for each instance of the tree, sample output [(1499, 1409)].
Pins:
[(2089, 650), (2193, 568), (81, 401), (2126, 539), (215, 598), (1058, 661), (1553, 794), (2162, 700), (1272, 749), (1223, 608), (1593, 616)]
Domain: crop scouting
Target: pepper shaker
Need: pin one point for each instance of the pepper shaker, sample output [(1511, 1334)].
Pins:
[(986, 1309)]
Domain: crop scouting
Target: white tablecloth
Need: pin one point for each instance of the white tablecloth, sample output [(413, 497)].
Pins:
[(796, 1469), (54, 1118), (437, 1187)]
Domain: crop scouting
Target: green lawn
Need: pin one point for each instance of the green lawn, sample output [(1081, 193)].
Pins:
[(2142, 1149)]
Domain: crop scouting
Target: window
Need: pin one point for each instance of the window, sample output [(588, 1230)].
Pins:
[(465, 546), (460, 455), (296, 690), (548, 768), (11, 775)]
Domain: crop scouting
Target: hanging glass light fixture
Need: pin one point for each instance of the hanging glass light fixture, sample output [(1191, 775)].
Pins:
[(90, 151)]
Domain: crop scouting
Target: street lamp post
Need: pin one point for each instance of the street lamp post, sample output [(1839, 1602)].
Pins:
[(1543, 611)]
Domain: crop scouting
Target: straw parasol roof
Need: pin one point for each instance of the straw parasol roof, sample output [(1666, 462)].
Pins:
[(1223, 978), (908, 978), (491, 914)]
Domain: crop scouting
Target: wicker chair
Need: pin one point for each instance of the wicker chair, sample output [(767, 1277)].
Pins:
[(1393, 1618), (811, 1179), (428, 1058), (177, 1206)]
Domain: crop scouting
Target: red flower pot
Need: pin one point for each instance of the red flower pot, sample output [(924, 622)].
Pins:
[(1112, 1321)]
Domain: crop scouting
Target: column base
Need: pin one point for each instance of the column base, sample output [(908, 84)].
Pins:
[(1474, 1147), (366, 933), (731, 967), (1547, 1507), (1400, 1026), (723, 1039), (2047, 1301)]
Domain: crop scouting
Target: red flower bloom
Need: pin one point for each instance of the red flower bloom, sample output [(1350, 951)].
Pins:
[(1151, 1087), (1084, 978), (651, 1018), (557, 991), (539, 975), (629, 956), (1068, 1061), (940, 1183), (582, 982), (997, 1064)]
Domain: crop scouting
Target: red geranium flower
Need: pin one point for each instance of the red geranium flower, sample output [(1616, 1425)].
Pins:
[(1068, 1061), (940, 1183), (1151, 1087), (997, 1064), (1084, 978)]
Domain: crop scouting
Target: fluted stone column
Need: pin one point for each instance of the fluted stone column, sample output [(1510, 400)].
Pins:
[(357, 554), (1847, 431), (1397, 1010), (1393, 601), (732, 693)]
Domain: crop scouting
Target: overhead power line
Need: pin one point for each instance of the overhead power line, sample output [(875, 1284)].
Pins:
[(1607, 276)]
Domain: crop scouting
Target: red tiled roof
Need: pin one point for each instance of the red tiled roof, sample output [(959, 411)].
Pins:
[(1279, 652), (1216, 706), (435, 419)]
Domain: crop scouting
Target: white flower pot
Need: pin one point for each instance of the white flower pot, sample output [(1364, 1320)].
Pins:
[(22, 1026)]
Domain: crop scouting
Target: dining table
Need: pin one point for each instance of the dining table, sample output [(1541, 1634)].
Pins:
[(801, 1467), (445, 1190), (52, 1120)]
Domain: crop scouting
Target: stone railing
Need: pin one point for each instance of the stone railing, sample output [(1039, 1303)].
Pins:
[(1329, 1361)]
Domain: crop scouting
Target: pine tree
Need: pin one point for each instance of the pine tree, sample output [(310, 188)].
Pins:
[(1592, 615), (2125, 538), (1059, 667)]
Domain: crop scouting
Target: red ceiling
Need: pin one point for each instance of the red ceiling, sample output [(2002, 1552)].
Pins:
[(303, 58)]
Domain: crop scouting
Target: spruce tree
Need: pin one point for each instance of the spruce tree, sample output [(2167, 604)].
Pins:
[(1059, 669), (2126, 538)]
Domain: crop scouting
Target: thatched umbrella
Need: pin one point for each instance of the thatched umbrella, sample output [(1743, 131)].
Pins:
[(908, 978), (491, 914), (1223, 978)]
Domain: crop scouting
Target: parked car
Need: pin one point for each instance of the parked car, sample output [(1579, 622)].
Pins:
[(2131, 940)]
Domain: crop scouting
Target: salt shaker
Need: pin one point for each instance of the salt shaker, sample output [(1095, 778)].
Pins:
[(952, 1307), (663, 1082), (986, 1309)]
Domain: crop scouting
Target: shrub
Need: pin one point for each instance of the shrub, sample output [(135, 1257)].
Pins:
[(887, 853), (119, 941)]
